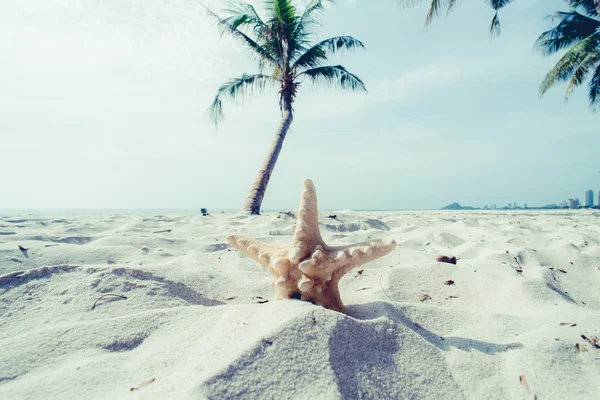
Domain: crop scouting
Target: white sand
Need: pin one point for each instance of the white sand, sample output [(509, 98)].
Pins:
[(190, 319)]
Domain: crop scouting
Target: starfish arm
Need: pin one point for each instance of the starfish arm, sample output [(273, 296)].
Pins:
[(307, 226), (362, 253), (255, 249)]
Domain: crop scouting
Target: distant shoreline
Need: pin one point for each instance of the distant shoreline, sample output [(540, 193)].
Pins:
[(64, 212)]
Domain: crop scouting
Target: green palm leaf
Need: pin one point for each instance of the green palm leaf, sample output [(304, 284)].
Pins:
[(284, 19), (261, 54), (310, 14), (319, 52), (495, 26), (284, 11), (497, 4), (566, 66), (336, 76), (239, 89), (594, 93), (572, 28), (242, 14), (589, 7), (304, 28), (581, 71)]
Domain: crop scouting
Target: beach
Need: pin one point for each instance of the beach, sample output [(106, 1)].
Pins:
[(161, 306)]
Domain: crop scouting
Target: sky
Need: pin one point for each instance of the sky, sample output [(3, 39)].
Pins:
[(103, 105)]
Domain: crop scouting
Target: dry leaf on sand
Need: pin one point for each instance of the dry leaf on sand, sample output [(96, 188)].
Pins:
[(143, 384), (580, 348), (446, 259)]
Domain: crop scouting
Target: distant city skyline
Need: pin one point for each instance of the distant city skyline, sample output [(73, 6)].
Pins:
[(572, 202)]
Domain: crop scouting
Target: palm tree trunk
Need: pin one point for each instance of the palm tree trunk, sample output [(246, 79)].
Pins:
[(255, 197), (597, 4)]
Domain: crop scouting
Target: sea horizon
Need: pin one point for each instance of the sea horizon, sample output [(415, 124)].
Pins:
[(4, 212)]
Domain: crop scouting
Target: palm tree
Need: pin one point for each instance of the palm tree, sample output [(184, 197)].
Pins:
[(281, 45), (579, 31), (437, 6)]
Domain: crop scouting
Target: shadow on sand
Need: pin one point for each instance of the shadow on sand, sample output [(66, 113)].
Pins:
[(374, 310)]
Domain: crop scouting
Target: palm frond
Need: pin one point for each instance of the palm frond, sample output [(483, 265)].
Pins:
[(335, 75), (408, 3), (242, 14), (497, 4), (581, 71), (572, 28), (565, 67), (495, 29), (434, 10), (238, 89), (594, 93), (319, 52), (303, 31), (262, 55), (284, 10), (283, 15), (436, 7), (589, 7), (310, 14), (282, 23)]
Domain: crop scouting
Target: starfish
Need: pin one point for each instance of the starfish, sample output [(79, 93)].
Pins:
[(307, 268)]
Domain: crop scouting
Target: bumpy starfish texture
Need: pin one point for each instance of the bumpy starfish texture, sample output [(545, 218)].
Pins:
[(307, 268)]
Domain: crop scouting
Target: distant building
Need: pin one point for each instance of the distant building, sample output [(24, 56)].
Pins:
[(494, 206), (525, 205), (514, 204), (562, 204), (589, 198), (573, 203)]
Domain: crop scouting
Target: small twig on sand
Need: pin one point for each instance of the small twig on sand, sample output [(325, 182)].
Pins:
[(106, 295), (381, 286), (165, 231), (519, 268)]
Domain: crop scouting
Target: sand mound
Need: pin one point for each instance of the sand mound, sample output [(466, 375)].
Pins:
[(99, 305)]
